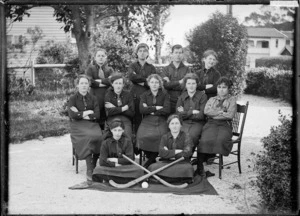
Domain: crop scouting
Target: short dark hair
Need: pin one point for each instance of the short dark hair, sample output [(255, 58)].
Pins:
[(116, 123), (210, 52), (224, 80), (190, 76), (82, 76), (116, 76), (171, 117), (177, 46)]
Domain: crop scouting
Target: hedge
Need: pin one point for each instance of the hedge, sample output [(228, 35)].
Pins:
[(270, 82), (281, 62)]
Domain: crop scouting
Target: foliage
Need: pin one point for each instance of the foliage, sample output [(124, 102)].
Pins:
[(274, 167), (54, 78), (280, 62), (31, 119), (270, 82), (281, 18), (228, 38), (119, 54), (18, 87)]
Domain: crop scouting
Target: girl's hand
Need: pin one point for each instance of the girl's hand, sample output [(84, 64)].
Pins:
[(177, 151), (109, 105), (180, 109), (196, 111), (141, 84), (124, 108), (117, 165), (74, 109), (145, 105), (166, 148), (166, 79), (86, 117), (181, 81), (208, 86), (113, 160), (158, 107)]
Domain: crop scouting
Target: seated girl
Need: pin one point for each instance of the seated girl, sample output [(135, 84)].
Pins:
[(173, 145), (155, 107), (119, 104), (190, 107), (217, 132), (112, 164), (86, 134)]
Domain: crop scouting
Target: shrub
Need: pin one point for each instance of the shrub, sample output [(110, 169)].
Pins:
[(274, 167), (270, 82), (228, 38), (54, 78), (280, 62)]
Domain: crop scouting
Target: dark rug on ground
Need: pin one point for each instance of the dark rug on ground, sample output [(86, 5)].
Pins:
[(199, 186)]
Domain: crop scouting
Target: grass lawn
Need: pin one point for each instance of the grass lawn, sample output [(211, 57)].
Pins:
[(31, 119)]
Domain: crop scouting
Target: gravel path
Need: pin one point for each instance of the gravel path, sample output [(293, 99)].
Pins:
[(40, 173)]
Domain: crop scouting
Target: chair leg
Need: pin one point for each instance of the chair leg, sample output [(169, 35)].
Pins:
[(76, 157), (141, 155), (220, 165), (239, 160), (73, 155)]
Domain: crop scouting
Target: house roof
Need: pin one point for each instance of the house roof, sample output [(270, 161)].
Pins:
[(265, 33), (289, 34), (286, 49)]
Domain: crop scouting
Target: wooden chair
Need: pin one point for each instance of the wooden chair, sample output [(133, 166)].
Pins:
[(238, 124)]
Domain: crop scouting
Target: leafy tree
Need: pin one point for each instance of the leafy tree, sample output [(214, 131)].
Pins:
[(281, 18), (161, 14), (228, 38), (82, 21)]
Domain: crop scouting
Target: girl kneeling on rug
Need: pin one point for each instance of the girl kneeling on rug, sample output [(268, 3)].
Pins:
[(173, 145), (86, 134), (217, 132), (112, 165)]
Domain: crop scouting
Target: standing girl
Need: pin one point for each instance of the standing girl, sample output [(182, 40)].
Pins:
[(99, 72)]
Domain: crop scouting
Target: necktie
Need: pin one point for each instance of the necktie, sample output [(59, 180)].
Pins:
[(84, 102), (192, 104), (119, 101), (174, 144), (220, 104), (154, 100), (205, 77), (101, 73)]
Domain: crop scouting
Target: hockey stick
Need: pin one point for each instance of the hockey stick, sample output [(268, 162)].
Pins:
[(135, 181), (155, 176)]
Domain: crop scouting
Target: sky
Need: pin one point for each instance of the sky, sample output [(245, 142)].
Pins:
[(183, 18)]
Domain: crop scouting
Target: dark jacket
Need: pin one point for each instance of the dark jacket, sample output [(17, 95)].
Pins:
[(126, 99), (162, 99), (210, 76), (77, 100), (199, 100), (112, 148), (92, 73), (174, 74), (181, 142)]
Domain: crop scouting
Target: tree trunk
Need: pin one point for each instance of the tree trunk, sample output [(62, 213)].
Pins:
[(83, 38)]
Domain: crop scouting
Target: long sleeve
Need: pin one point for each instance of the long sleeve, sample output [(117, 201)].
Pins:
[(130, 111), (114, 110), (231, 110), (128, 151), (96, 114), (202, 103), (109, 71), (187, 148), (216, 77), (184, 114), (163, 153), (135, 76), (72, 114), (89, 72), (209, 110), (104, 154), (145, 110), (166, 107)]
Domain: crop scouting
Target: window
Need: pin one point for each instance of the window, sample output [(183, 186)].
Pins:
[(265, 44), (251, 43), (276, 43), (287, 42)]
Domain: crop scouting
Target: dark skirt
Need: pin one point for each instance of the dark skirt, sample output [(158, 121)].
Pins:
[(174, 95), (179, 171), (137, 91), (126, 121), (99, 93), (120, 174), (150, 132), (216, 137), (194, 130), (86, 137)]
